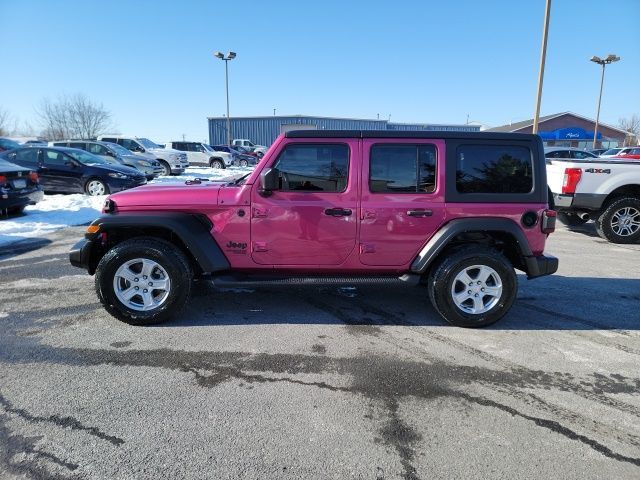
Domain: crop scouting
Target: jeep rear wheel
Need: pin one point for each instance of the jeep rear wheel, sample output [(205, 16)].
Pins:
[(620, 221), (143, 281), (472, 286)]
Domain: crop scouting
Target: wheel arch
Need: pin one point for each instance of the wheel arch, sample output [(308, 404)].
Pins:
[(632, 190), (500, 233), (190, 233)]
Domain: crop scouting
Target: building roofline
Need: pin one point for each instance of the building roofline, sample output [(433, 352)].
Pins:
[(556, 115), (382, 121)]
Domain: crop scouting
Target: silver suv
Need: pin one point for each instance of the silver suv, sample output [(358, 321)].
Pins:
[(173, 161)]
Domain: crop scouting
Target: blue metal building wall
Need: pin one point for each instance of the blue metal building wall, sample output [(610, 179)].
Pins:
[(264, 130)]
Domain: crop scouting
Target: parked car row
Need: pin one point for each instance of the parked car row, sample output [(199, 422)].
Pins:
[(116, 155), (214, 156), (71, 170), (626, 153)]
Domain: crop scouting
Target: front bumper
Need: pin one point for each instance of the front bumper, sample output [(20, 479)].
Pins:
[(539, 266), (118, 185), (80, 254)]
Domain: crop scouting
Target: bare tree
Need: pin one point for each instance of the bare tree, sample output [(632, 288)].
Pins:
[(73, 116), (5, 120), (631, 125)]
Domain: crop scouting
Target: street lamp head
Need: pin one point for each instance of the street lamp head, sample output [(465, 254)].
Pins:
[(231, 55), (596, 59), (612, 58), (220, 55)]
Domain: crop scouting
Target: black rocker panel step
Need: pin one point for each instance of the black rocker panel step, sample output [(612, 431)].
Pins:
[(266, 280)]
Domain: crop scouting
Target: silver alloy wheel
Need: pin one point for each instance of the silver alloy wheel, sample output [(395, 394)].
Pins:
[(244, 163), (96, 187), (216, 164), (141, 284), (626, 221), (476, 289)]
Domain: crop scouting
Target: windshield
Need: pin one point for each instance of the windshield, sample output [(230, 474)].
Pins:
[(146, 143), (86, 158), (207, 147), (612, 151), (119, 149)]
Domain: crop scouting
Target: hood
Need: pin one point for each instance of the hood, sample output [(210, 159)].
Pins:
[(168, 150), (118, 168), (171, 196), (138, 158)]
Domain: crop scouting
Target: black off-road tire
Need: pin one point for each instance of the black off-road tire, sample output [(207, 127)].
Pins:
[(170, 257), (605, 227), (571, 219), (444, 272), (216, 164)]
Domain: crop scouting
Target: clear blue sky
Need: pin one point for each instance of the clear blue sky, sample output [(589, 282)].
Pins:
[(150, 62)]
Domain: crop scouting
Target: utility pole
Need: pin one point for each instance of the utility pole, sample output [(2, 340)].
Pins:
[(230, 56), (543, 56), (610, 59)]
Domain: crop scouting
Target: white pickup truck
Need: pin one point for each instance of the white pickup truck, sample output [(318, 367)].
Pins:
[(606, 190)]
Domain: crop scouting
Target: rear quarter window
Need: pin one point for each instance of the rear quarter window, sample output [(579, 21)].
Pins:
[(494, 169)]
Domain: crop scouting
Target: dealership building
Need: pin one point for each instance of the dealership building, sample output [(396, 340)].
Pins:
[(264, 130), (568, 129)]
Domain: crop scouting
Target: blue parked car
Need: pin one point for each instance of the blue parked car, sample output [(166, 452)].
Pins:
[(70, 170), (19, 187)]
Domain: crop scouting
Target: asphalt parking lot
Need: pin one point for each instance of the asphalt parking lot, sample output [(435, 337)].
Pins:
[(322, 383)]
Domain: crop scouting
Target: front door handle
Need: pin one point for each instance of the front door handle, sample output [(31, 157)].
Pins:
[(338, 212), (419, 213)]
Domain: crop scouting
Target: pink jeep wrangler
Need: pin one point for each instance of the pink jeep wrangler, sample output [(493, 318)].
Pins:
[(459, 211)]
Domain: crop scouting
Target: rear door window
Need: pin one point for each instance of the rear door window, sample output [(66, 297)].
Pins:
[(27, 157), (402, 168)]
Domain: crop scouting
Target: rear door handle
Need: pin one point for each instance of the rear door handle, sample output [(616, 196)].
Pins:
[(419, 213), (338, 212)]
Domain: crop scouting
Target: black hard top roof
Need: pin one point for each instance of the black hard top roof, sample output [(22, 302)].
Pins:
[(435, 134)]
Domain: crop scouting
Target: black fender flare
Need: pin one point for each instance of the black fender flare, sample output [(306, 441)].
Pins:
[(194, 231), (449, 231)]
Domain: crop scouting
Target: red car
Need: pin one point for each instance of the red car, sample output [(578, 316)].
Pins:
[(632, 154)]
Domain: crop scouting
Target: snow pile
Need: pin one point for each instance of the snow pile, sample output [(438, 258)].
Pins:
[(59, 211), (52, 213), (204, 172)]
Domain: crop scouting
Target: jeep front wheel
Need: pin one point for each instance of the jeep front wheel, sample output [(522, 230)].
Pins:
[(620, 221), (143, 281), (473, 286), (216, 164)]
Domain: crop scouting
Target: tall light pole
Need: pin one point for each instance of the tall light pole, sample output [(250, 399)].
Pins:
[(610, 59), (543, 56), (230, 56)]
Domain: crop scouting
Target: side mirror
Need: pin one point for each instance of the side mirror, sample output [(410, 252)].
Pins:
[(269, 181)]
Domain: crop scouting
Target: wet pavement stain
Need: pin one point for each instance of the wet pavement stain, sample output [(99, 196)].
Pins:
[(383, 380), (27, 465), (319, 348), (64, 422)]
